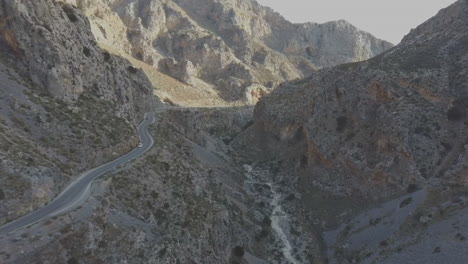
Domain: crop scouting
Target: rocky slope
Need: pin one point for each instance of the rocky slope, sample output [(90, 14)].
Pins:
[(359, 163), (378, 126), (352, 138), (65, 104), (238, 50), (189, 200)]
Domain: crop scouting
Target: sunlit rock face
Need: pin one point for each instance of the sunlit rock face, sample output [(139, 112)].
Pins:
[(231, 44)]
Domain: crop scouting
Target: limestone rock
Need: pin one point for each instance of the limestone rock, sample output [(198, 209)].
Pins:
[(374, 128), (66, 105), (60, 55), (222, 36), (183, 71)]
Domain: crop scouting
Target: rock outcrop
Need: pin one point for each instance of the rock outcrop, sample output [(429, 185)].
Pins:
[(57, 52), (231, 45), (377, 127), (65, 104)]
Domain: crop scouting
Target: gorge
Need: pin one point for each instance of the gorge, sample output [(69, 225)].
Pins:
[(274, 142)]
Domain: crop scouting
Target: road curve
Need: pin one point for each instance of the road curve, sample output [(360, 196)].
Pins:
[(77, 192)]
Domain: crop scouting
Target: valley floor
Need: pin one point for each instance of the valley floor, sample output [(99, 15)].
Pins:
[(195, 198)]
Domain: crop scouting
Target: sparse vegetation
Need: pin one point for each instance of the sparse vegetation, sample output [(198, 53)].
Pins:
[(86, 51), (107, 56), (238, 251), (383, 243), (412, 188), (191, 195), (72, 260), (341, 123), (132, 69), (70, 12), (266, 222), (406, 202), (456, 113), (460, 237)]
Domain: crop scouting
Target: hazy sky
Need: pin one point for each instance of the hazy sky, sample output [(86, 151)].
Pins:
[(388, 20)]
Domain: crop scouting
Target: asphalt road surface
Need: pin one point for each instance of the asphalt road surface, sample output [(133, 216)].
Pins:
[(78, 191)]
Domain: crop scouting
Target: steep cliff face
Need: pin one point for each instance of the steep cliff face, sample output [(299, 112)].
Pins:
[(65, 104), (377, 127), (331, 43), (57, 52), (234, 46)]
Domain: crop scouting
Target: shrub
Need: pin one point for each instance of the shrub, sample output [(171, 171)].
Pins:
[(162, 252), (132, 69), (70, 13), (72, 261), (107, 56), (165, 166), (341, 123), (375, 221), (102, 244), (86, 51), (412, 188), (238, 251), (154, 194), (460, 237), (406, 202), (456, 113), (263, 234)]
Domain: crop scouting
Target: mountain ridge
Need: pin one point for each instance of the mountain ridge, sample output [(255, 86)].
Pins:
[(424, 73), (249, 46)]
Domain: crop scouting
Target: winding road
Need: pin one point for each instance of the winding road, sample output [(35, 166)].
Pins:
[(78, 191)]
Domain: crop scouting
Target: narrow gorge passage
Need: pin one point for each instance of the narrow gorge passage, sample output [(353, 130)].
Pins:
[(280, 220), (275, 141), (280, 223)]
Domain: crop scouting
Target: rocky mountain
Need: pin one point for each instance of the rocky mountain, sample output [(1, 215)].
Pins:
[(65, 104), (231, 50), (362, 162), (367, 132), (375, 127)]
